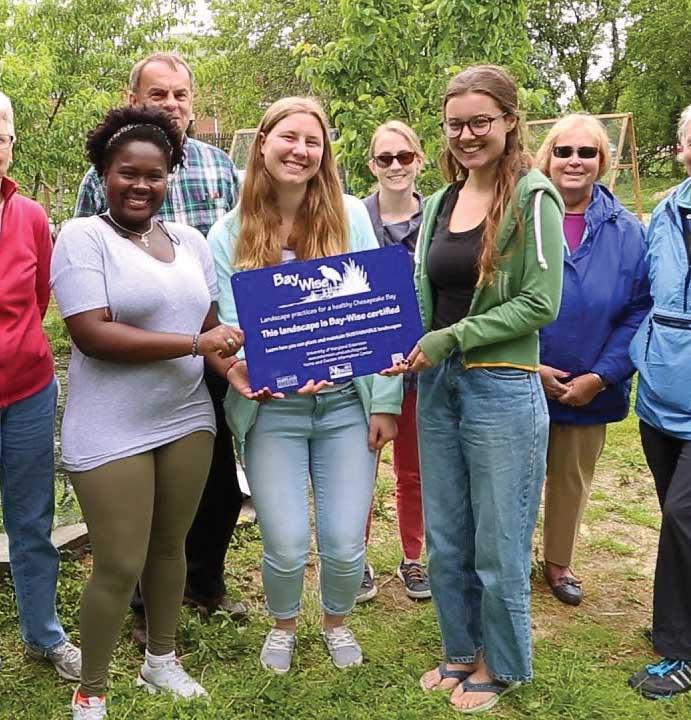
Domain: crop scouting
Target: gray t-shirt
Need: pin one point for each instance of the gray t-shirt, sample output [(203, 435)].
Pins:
[(116, 410)]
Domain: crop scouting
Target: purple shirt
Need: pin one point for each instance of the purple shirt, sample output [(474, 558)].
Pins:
[(574, 228)]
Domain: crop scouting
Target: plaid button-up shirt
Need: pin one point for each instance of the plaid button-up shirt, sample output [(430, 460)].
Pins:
[(202, 190)]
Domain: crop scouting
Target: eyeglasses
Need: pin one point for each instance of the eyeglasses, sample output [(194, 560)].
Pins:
[(478, 125), (6, 140), (585, 152), (386, 159)]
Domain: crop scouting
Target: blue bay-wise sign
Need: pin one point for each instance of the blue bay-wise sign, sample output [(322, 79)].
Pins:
[(332, 318)]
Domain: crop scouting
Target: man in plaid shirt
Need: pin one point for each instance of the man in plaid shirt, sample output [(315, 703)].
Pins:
[(200, 192)]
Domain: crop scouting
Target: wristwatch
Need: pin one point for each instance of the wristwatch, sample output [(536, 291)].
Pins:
[(603, 382)]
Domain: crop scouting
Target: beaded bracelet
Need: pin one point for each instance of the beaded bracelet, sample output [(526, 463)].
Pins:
[(195, 345)]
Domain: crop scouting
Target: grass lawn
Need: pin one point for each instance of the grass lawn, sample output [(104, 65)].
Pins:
[(583, 656)]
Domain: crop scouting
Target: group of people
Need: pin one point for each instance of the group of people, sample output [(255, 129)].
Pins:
[(540, 296)]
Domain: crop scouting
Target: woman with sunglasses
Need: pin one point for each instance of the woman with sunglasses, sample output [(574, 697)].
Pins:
[(395, 209), (488, 274), (325, 435), (585, 365)]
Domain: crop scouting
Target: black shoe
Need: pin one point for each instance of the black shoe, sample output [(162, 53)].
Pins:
[(206, 606), (368, 588), (139, 631), (663, 680), (567, 589), (415, 580)]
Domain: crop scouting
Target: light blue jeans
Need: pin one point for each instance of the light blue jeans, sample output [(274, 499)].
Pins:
[(323, 439), (28, 505), (483, 444)]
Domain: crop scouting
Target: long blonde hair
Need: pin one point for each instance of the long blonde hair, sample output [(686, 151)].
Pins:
[(496, 83), (405, 131), (320, 228)]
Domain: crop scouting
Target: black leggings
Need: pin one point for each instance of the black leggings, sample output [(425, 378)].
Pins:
[(669, 459)]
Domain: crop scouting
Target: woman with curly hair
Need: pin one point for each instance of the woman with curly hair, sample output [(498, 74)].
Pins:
[(138, 297)]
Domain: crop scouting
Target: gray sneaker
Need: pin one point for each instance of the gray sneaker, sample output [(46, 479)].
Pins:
[(66, 658), (368, 588), (277, 651), (342, 647)]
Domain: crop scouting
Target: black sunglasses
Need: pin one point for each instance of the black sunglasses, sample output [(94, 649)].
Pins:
[(386, 159), (585, 152)]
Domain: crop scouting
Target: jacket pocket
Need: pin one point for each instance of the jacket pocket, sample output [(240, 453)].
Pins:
[(661, 351)]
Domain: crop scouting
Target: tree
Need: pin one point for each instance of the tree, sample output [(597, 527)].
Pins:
[(658, 81), (63, 63), (249, 59), (582, 40), (393, 59)]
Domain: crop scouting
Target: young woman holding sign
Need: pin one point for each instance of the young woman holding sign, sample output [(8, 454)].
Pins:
[(488, 273), (292, 208)]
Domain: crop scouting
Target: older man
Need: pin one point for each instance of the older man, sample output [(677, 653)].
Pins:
[(28, 393), (203, 190)]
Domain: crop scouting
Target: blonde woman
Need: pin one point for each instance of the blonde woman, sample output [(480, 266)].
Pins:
[(395, 209), (292, 207), (586, 370)]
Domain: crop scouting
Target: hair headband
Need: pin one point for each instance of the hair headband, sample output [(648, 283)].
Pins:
[(128, 128)]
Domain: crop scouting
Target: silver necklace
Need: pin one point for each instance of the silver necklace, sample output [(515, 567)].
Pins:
[(142, 237)]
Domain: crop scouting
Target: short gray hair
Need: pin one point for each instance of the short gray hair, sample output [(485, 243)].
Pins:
[(684, 121), (6, 112), (171, 59)]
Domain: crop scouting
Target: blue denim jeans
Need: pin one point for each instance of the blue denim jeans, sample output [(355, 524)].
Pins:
[(320, 439), (28, 505), (483, 444)]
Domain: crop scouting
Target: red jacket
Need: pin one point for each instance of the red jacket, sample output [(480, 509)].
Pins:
[(26, 362)]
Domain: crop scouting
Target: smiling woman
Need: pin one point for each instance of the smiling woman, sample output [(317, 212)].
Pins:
[(292, 206), (138, 297)]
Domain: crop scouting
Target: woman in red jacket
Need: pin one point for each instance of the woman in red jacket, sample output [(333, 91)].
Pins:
[(28, 393)]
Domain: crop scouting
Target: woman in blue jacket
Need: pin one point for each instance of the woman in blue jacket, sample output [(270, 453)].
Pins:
[(661, 351), (585, 365)]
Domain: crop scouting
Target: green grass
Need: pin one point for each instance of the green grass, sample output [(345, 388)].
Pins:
[(583, 656)]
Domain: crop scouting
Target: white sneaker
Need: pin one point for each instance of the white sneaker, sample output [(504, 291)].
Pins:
[(168, 676), (93, 708), (66, 658), (342, 646)]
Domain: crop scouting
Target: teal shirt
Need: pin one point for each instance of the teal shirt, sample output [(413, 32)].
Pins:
[(378, 394)]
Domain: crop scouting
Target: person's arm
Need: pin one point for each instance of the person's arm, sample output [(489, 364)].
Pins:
[(44, 250), (534, 306), (98, 336), (90, 199), (614, 363)]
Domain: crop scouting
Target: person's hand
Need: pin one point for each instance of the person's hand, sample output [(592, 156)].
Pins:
[(312, 388), (222, 340), (415, 362), (552, 381), (581, 390), (238, 378), (382, 428)]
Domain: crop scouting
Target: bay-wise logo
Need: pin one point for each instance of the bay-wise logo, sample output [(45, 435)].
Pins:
[(331, 283)]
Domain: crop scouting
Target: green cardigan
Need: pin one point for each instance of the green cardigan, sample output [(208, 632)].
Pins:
[(377, 394), (501, 328)]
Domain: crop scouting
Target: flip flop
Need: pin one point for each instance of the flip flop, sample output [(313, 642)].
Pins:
[(445, 672), (498, 687)]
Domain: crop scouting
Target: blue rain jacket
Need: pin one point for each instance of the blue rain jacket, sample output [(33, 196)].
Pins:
[(605, 297), (661, 349)]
